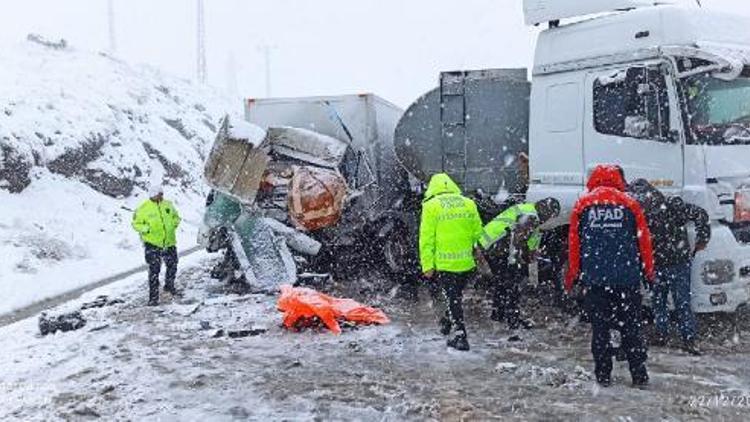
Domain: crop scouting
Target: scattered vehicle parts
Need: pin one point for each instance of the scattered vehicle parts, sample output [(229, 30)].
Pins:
[(49, 324)]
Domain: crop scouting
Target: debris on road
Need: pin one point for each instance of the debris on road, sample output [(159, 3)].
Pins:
[(246, 333), (100, 302), (99, 328), (65, 322), (302, 307), (253, 332)]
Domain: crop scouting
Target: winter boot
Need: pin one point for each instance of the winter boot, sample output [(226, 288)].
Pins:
[(516, 323), (515, 338), (173, 291), (604, 380), (691, 348), (460, 342), (153, 302), (445, 326), (526, 324)]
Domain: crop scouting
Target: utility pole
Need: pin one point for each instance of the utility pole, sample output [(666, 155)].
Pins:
[(112, 31), (201, 39), (266, 49)]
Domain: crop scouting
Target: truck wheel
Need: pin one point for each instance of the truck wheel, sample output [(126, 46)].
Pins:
[(395, 253)]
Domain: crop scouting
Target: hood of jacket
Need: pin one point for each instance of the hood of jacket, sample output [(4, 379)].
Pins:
[(441, 184), (606, 176), (650, 198)]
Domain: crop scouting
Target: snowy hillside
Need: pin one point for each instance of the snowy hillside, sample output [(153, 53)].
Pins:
[(82, 135)]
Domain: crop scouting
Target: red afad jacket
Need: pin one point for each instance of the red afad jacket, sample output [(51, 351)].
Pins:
[(606, 187)]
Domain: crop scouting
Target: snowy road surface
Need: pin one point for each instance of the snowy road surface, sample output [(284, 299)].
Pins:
[(51, 302), (136, 363)]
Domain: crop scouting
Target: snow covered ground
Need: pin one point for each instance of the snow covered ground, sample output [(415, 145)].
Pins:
[(82, 136), (132, 362)]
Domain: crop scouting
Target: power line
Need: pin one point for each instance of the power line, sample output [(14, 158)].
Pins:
[(201, 39)]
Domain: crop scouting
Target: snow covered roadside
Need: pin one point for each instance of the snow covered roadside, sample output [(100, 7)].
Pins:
[(57, 236), (134, 362), (82, 136)]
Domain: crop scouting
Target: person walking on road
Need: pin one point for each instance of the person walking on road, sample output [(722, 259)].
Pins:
[(610, 253), (156, 221), (449, 229), (509, 243), (668, 218)]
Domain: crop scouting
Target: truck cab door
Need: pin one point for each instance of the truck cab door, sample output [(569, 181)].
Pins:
[(632, 120)]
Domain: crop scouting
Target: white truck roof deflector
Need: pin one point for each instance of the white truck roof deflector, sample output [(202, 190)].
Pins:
[(540, 11), (642, 34)]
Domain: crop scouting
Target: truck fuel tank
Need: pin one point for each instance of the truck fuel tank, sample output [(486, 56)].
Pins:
[(474, 126)]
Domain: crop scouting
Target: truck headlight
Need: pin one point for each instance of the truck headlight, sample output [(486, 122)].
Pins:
[(720, 271)]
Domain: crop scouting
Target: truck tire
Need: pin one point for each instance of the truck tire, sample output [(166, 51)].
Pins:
[(396, 253)]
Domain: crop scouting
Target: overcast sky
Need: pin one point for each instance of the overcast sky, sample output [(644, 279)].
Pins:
[(394, 48)]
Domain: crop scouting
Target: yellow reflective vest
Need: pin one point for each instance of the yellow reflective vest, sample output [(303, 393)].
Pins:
[(504, 223), (449, 229), (157, 223)]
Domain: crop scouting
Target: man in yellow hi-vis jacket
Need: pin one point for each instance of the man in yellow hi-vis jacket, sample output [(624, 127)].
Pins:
[(156, 221), (449, 229)]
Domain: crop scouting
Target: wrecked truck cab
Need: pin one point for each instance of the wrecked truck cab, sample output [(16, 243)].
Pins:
[(373, 217), (322, 188), (257, 247)]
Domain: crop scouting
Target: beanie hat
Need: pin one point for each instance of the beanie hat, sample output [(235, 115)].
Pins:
[(155, 190)]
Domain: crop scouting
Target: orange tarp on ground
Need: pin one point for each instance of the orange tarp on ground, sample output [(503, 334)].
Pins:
[(300, 304)]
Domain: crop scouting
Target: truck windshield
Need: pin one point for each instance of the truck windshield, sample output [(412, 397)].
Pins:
[(718, 110)]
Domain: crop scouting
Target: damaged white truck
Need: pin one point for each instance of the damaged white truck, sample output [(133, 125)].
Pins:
[(300, 182), (662, 90)]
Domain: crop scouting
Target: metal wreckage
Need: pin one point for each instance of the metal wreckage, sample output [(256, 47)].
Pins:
[(299, 180)]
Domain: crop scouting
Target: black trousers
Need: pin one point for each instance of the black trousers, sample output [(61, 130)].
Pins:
[(616, 308), (506, 282), (448, 289), (154, 258)]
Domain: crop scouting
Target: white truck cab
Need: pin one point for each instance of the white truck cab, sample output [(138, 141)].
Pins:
[(663, 91)]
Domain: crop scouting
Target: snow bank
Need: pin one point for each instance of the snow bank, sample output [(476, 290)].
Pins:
[(82, 135)]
